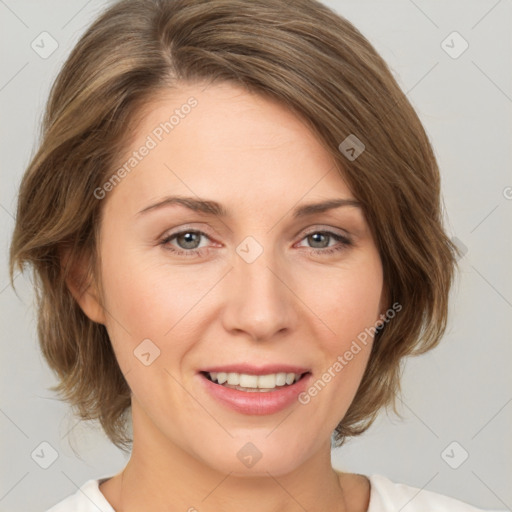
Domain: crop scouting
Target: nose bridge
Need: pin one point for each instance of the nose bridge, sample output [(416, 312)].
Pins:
[(261, 304)]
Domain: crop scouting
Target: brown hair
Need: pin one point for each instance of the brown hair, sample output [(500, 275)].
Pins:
[(300, 53)]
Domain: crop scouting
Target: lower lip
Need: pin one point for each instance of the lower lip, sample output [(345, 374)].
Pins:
[(256, 402)]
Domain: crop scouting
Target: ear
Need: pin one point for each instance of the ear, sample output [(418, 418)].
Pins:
[(82, 286)]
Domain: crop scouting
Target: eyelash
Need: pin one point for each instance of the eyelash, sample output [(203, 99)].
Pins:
[(344, 242)]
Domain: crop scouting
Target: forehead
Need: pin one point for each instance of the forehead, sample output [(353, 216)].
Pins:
[(223, 117), (219, 140)]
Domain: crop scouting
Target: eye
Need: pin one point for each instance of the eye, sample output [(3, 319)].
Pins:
[(188, 243), (320, 241)]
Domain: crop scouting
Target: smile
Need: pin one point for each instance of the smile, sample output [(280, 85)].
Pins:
[(248, 382), (250, 395)]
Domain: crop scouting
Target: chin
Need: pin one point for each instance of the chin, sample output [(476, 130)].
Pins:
[(242, 457)]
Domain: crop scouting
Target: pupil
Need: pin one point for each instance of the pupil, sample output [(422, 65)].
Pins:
[(316, 236), (189, 243)]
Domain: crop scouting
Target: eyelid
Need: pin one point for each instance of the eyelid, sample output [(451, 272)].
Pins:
[(208, 231), (342, 236), (314, 228), (203, 228)]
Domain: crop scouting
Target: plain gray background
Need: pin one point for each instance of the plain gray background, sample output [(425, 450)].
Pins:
[(457, 400)]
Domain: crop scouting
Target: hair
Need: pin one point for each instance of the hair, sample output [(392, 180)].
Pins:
[(308, 58)]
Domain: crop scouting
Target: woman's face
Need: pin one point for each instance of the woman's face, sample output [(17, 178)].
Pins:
[(267, 287)]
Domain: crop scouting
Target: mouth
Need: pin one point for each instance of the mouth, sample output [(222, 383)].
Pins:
[(261, 383), (255, 390)]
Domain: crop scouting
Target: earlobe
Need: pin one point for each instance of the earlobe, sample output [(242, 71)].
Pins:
[(90, 305), (82, 287)]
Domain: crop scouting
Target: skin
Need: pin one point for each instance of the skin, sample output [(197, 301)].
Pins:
[(288, 306)]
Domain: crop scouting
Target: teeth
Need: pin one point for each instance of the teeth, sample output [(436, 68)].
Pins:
[(280, 379), (234, 379), (263, 381), (245, 380)]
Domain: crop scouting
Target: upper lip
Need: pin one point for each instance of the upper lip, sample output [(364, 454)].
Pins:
[(256, 370)]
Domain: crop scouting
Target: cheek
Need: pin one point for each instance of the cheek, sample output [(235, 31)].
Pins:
[(149, 299), (349, 306), (133, 299), (348, 300), (130, 293)]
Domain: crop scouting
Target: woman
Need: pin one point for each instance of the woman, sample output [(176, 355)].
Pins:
[(234, 218)]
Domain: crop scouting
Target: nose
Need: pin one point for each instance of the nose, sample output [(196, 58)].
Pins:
[(260, 300)]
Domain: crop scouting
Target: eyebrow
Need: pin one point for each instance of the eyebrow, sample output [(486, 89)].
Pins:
[(213, 208)]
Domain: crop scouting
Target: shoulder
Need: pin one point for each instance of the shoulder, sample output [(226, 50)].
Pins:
[(86, 499), (390, 496)]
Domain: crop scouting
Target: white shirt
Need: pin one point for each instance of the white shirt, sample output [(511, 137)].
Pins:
[(385, 496)]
